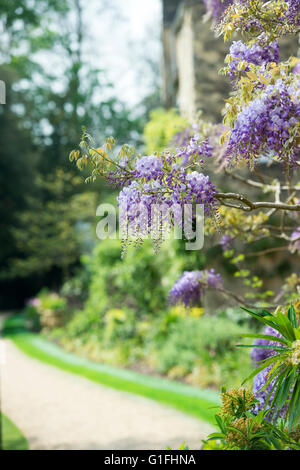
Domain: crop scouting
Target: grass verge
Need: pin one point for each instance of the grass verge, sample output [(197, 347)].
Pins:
[(12, 437), (197, 402)]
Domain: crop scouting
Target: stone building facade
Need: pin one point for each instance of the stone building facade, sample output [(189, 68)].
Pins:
[(192, 57)]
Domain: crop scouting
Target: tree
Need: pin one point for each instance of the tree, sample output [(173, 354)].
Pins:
[(51, 92)]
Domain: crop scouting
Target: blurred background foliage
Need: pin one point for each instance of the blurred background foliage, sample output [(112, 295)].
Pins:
[(52, 91)]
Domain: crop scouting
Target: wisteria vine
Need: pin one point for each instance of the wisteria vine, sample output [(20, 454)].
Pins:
[(262, 120)]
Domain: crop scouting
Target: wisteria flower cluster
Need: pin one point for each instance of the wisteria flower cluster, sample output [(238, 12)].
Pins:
[(292, 12), (259, 52), (264, 110), (171, 189), (269, 123), (155, 189), (253, 17), (190, 286), (226, 242)]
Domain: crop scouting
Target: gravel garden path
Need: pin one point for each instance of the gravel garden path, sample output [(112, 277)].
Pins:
[(59, 410)]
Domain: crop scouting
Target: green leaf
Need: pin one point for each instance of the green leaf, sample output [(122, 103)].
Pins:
[(275, 443), (285, 389), (264, 317), (263, 346), (215, 435), (292, 316), (274, 372), (297, 333), (260, 368), (220, 423), (267, 337), (286, 326), (294, 408), (182, 447), (277, 388)]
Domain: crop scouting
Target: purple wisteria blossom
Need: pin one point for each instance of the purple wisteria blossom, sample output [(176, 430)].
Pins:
[(199, 188), (191, 285), (226, 242), (139, 201), (259, 381), (149, 167), (265, 125), (293, 12), (288, 18), (264, 402), (295, 243), (217, 7), (195, 151), (135, 206), (259, 53), (259, 354)]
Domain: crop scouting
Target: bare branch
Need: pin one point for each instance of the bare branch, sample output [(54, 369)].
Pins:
[(265, 252), (250, 206)]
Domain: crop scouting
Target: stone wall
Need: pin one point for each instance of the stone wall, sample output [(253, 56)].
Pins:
[(192, 58)]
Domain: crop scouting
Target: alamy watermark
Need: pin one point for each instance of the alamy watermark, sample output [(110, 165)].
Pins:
[(159, 221), (2, 92)]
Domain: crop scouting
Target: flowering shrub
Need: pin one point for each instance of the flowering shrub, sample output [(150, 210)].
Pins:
[(47, 311), (189, 287)]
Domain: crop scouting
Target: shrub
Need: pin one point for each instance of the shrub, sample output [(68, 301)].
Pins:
[(204, 349), (161, 128), (47, 310), (140, 282)]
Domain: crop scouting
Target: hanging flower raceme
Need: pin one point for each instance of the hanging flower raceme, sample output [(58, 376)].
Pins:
[(268, 124), (156, 192), (155, 188), (190, 286)]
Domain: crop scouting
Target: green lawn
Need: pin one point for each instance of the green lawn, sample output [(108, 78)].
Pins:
[(199, 403), (12, 437)]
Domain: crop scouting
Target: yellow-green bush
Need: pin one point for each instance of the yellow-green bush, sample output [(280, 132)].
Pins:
[(161, 128)]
